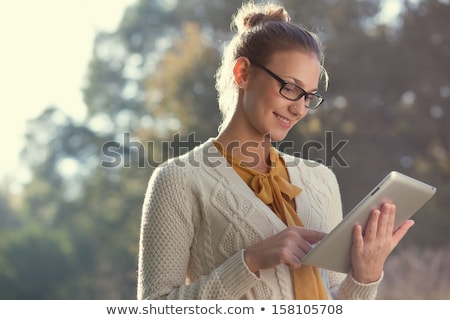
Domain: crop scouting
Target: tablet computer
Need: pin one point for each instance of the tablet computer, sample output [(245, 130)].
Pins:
[(333, 252)]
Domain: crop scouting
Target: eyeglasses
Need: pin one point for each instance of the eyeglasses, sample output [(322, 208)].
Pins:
[(293, 92)]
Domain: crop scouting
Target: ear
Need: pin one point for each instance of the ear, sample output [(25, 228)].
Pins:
[(241, 72)]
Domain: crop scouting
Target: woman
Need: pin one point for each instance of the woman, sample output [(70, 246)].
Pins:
[(232, 218)]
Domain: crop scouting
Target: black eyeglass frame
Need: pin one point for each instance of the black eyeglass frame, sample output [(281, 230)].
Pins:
[(303, 93)]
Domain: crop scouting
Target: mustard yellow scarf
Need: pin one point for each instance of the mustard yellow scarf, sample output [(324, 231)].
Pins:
[(275, 190)]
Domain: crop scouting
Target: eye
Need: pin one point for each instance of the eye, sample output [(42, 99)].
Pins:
[(290, 87)]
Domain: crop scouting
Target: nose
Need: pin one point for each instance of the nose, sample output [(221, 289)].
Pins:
[(293, 109), (296, 107)]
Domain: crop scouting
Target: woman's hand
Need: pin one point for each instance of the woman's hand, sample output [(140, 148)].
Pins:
[(289, 247), (371, 249)]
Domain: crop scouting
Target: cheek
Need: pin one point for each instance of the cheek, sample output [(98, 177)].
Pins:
[(303, 112), (261, 99), (257, 101), (261, 107)]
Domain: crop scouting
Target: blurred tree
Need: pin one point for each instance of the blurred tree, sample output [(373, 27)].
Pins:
[(8, 216), (35, 264), (420, 110), (182, 88)]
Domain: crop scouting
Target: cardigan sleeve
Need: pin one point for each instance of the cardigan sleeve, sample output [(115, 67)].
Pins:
[(166, 236)]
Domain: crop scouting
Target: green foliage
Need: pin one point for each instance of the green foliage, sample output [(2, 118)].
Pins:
[(182, 86), (7, 213), (75, 233), (35, 264)]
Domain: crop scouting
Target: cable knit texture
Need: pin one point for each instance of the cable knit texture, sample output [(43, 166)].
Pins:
[(199, 216)]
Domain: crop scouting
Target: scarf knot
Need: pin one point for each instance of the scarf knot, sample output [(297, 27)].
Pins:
[(270, 187)]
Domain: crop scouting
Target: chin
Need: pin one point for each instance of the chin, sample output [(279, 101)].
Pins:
[(278, 136)]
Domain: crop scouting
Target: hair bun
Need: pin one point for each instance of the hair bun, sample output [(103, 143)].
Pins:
[(251, 15)]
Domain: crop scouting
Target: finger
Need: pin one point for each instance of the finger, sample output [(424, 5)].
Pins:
[(297, 255), (294, 244), (304, 247), (370, 231), (295, 262), (383, 221), (292, 256), (311, 235), (358, 240), (391, 221), (401, 232)]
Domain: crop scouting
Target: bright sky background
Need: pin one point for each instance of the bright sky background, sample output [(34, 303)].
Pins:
[(46, 46)]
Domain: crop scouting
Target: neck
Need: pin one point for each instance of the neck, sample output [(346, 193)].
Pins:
[(253, 150)]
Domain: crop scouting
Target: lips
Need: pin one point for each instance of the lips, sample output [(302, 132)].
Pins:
[(285, 122)]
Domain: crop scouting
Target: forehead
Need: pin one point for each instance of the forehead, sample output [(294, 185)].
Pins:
[(298, 66)]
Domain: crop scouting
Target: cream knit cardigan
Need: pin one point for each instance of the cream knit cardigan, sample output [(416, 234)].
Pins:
[(199, 216)]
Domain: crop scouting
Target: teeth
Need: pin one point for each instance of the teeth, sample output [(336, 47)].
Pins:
[(282, 119)]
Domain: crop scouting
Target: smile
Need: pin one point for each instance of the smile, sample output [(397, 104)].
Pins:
[(283, 120)]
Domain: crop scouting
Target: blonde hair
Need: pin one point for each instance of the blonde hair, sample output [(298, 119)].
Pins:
[(261, 30)]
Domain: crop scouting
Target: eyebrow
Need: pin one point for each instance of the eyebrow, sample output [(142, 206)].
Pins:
[(297, 82)]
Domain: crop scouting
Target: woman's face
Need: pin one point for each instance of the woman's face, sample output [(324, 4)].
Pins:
[(266, 111)]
